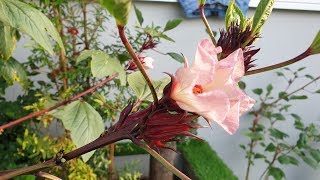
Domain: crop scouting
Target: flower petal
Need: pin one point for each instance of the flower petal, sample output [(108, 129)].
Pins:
[(212, 105), (235, 61), (231, 122), (205, 60)]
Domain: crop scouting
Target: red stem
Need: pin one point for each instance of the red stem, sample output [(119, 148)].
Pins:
[(35, 114)]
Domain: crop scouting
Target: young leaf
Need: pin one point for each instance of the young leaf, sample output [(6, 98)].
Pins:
[(83, 121), (275, 172), (242, 85), (172, 24), (262, 13), (270, 147), (299, 97), (315, 46), (302, 141), (285, 159), (103, 65), (12, 71), (176, 57), (269, 89), (119, 9), (311, 162), (201, 2), (234, 15), (8, 41), (257, 91), (315, 153), (139, 15), (137, 82), (277, 133), (30, 21)]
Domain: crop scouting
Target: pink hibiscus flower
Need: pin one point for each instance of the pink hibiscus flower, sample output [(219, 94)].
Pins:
[(210, 87)]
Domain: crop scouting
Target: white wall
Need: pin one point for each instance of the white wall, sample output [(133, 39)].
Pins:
[(286, 34)]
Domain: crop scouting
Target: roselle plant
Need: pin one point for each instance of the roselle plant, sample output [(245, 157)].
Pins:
[(154, 113)]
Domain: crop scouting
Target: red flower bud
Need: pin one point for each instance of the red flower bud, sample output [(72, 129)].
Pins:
[(73, 31)]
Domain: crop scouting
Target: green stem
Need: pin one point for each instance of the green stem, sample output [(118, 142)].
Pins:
[(163, 161), (136, 60), (204, 19), (282, 64)]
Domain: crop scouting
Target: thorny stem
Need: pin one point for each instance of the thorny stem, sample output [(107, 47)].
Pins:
[(35, 114), (163, 161), (205, 21), (282, 64), (62, 56), (136, 60)]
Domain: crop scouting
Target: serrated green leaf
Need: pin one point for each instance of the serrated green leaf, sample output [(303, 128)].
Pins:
[(119, 9), (278, 116), (311, 162), (262, 13), (285, 159), (83, 121), (257, 91), (315, 153), (103, 65), (163, 36), (259, 156), (176, 57), (302, 141), (254, 135), (12, 71), (269, 89), (277, 133), (172, 24), (270, 147), (295, 97), (275, 172), (30, 21), (315, 46), (139, 15), (234, 15), (8, 41), (138, 84)]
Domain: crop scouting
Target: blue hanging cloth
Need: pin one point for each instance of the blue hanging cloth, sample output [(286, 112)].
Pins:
[(211, 8)]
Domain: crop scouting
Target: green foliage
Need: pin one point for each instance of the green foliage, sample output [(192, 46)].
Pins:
[(261, 14), (123, 149), (30, 21), (176, 56), (234, 15), (172, 24), (139, 15), (270, 143), (119, 9), (204, 162), (315, 46), (8, 41), (141, 89), (12, 71), (103, 65), (83, 121)]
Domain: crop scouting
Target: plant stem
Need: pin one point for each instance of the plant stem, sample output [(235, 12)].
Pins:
[(85, 31), (275, 156), (254, 124), (136, 60), (98, 143), (297, 90), (205, 21), (62, 56), (35, 114), (163, 161), (282, 64)]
